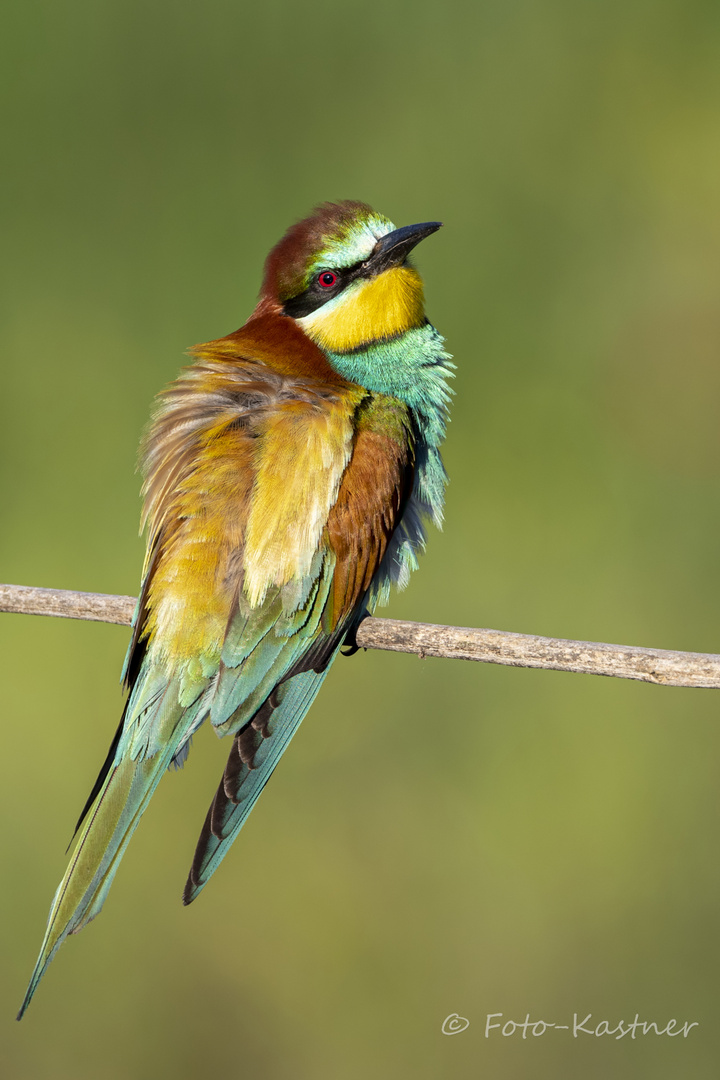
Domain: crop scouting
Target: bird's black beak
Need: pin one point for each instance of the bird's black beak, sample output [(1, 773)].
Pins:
[(393, 249)]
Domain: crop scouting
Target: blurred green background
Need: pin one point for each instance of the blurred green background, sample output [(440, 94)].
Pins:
[(443, 837)]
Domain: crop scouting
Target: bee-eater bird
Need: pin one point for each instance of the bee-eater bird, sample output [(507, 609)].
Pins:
[(289, 475)]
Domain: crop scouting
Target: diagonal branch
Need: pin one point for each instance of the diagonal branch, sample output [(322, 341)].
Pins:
[(426, 639)]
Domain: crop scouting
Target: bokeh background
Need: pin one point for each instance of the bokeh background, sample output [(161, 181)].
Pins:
[(443, 837)]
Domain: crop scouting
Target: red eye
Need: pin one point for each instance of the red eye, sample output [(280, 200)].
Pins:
[(327, 279)]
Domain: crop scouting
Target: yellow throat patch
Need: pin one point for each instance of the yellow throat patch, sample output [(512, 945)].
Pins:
[(378, 307)]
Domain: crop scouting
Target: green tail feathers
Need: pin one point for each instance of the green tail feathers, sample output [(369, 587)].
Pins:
[(262, 701), (97, 854)]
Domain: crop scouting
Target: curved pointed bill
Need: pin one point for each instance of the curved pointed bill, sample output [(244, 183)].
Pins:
[(393, 248)]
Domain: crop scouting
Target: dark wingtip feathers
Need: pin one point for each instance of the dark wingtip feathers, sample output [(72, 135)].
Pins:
[(189, 892), (240, 761)]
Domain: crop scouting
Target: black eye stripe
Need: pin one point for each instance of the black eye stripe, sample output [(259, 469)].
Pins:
[(316, 294)]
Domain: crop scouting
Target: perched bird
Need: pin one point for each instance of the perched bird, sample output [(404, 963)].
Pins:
[(289, 474)]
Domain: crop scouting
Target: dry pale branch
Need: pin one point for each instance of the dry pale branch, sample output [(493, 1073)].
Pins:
[(425, 639)]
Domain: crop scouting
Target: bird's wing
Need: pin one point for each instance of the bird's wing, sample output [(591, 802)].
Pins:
[(370, 500), (255, 752)]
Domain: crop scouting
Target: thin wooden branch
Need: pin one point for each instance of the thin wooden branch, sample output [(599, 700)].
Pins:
[(659, 666), (98, 607)]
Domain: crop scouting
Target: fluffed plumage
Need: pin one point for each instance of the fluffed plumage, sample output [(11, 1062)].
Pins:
[(288, 476)]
